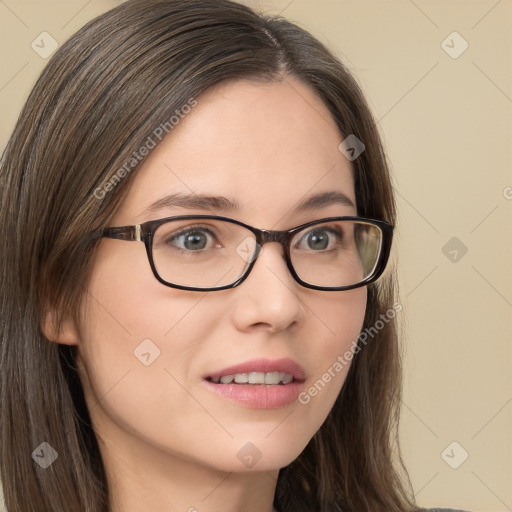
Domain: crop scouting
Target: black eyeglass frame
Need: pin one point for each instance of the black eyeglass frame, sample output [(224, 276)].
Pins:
[(144, 233)]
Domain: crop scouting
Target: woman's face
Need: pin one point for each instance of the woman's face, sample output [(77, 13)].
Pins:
[(146, 349)]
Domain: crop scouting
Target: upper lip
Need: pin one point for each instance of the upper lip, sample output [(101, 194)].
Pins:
[(285, 365)]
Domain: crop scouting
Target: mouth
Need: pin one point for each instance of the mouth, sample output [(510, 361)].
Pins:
[(260, 372), (259, 384), (254, 378)]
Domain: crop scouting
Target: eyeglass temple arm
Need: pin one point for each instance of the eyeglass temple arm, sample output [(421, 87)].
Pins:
[(124, 233)]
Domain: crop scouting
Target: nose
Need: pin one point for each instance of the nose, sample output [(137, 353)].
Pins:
[(269, 296)]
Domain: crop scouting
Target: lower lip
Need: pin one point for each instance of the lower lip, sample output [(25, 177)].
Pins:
[(259, 396)]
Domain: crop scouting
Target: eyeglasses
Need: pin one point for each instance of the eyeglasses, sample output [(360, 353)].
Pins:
[(208, 253)]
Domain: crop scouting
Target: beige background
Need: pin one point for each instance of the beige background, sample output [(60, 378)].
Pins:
[(446, 123)]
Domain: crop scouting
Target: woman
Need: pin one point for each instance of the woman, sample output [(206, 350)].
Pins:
[(240, 353)]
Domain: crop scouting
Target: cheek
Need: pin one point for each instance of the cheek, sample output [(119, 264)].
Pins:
[(137, 341), (340, 319), (126, 304), (134, 329)]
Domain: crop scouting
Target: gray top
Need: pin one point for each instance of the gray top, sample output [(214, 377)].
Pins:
[(443, 510)]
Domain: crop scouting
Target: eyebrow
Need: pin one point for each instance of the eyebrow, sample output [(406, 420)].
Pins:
[(221, 203)]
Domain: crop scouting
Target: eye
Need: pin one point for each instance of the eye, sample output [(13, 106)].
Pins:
[(192, 239), (321, 238)]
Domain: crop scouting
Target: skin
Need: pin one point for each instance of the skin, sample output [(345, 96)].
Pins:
[(168, 442)]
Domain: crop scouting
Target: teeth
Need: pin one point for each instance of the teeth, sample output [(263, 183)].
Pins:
[(273, 377), (241, 378), (287, 379), (255, 378)]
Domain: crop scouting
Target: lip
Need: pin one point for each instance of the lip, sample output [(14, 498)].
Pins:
[(260, 396), (284, 365)]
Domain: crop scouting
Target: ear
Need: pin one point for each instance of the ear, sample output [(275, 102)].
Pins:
[(66, 335)]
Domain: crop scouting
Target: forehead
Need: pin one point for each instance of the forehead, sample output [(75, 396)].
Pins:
[(267, 145)]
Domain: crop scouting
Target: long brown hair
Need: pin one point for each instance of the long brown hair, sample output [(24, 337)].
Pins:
[(101, 95)]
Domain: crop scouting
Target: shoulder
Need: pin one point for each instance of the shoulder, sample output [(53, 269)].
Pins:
[(442, 510)]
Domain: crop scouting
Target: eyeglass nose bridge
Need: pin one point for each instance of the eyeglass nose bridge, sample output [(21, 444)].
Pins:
[(264, 236)]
